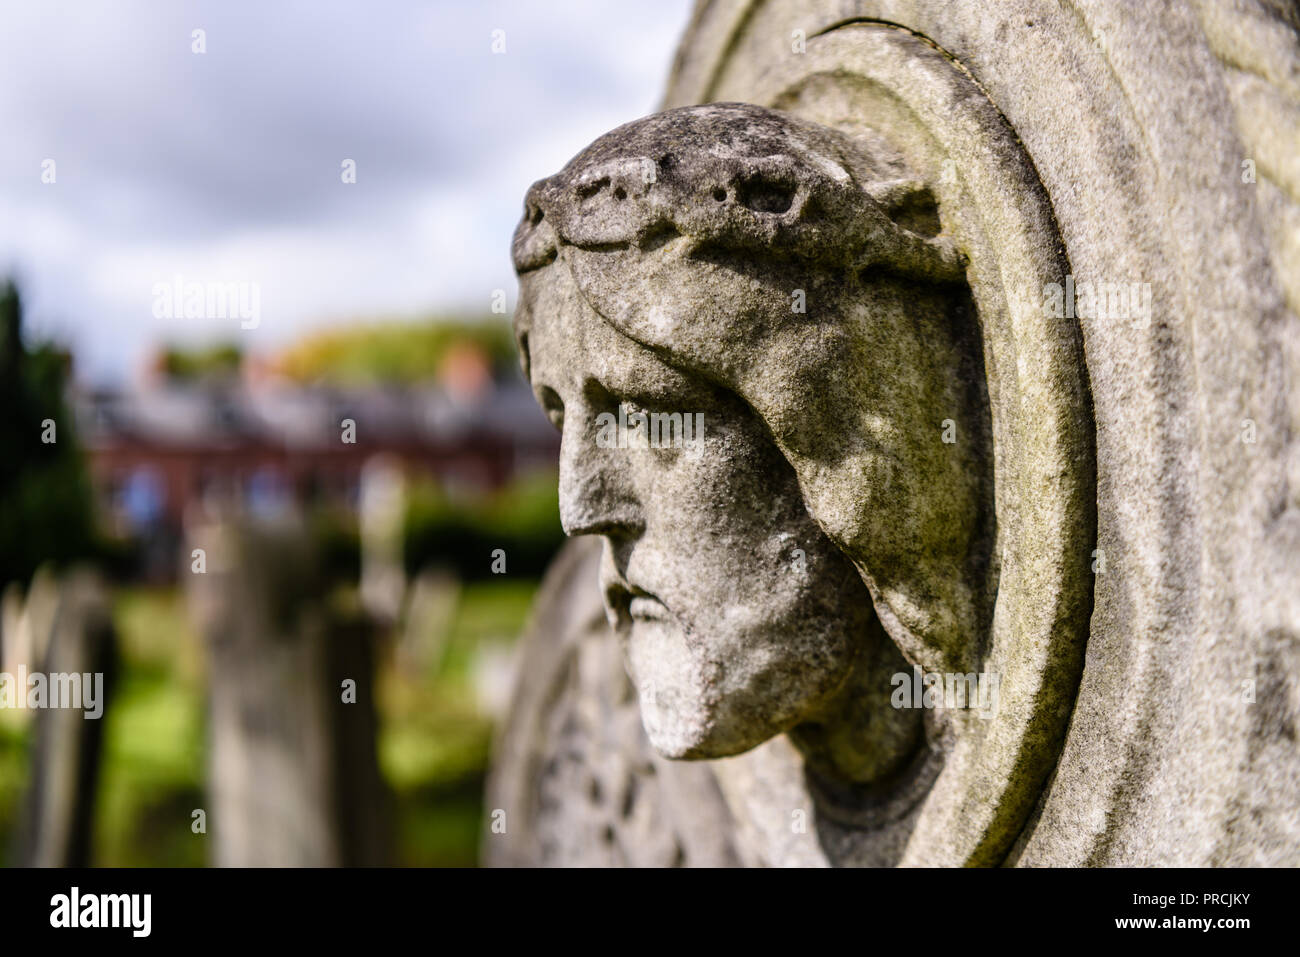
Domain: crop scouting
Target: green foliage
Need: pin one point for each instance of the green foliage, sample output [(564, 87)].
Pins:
[(338, 544), (523, 519), (393, 352), (434, 742), (45, 503), (221, 361), (153, 769), (15, 770)]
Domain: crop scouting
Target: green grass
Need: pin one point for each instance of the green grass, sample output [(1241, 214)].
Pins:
[(14, 742), (434, 743), (152, 774)]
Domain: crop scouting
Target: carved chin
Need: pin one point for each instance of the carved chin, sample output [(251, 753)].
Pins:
[(684, 709)]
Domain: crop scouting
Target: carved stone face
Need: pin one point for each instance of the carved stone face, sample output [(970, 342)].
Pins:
[(761, 277), (739, 617)]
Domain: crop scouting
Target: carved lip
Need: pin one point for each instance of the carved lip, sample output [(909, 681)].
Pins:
[(646, 608), (630, 603)]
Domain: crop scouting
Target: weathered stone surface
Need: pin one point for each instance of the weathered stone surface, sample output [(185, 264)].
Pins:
[(575, 782), (988, 314), (65, 629)]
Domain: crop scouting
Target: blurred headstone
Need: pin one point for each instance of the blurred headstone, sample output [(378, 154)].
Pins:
[(14, 639), (294, 775), (383, 512), (495, 664), (66, 629), (430, 609), (26, 622)]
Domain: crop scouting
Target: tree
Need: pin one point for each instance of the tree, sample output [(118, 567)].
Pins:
[(45, 504)]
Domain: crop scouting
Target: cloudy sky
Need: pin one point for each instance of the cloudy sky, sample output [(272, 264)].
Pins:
[(225, 166)]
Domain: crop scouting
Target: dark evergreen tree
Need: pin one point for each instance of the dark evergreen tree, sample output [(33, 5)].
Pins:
[(45, 505)]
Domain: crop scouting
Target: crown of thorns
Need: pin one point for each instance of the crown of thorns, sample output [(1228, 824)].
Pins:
[(731, 177)]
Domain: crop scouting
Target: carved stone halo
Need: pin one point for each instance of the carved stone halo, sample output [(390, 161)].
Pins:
[(879, 81)]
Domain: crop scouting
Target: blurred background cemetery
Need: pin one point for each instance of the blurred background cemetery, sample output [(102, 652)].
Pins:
[(207, 538), (300, 550)]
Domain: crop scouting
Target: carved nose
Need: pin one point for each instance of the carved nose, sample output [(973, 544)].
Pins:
[(597, 495)]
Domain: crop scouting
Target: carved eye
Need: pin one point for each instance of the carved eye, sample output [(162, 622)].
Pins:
[(720, 194), (765, 195), (552, 406), (591, 188)]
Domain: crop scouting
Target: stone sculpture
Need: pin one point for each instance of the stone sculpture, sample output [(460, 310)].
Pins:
[(912, 372)]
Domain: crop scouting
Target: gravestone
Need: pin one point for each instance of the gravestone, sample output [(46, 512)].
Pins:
[(984, 548), (382, 511), (293, 769), (64, 630)]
